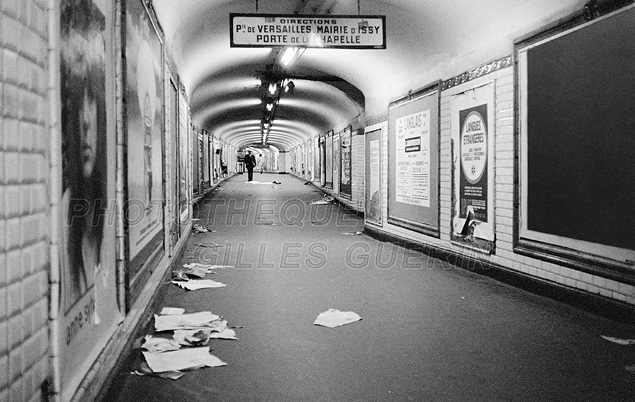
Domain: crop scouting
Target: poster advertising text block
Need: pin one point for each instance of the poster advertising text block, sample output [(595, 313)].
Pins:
[(308, 31), (413, 159)]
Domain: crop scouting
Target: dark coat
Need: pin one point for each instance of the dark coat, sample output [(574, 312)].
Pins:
[(250, 161)]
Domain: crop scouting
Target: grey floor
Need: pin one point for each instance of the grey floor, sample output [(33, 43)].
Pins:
[(429, 331)]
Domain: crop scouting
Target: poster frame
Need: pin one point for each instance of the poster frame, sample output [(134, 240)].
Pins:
[(140, 265), (432, 227), (368, 131), (346, 189)]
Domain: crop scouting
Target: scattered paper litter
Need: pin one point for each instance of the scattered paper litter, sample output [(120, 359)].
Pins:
[(192, 337), (353, 233), (170, 375), (208, 267), (182, 359), (619, 340), (144, 370), (159, 345), (630, 369), (327, 199), (172, 311), (335, 318), (203, 319), (226, 334), (198, 284), (196, 228)]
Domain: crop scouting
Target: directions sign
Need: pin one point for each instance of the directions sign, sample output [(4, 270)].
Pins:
[(310, 31)]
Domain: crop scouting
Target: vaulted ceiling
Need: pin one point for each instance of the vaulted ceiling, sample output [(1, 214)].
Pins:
[(427, 40)]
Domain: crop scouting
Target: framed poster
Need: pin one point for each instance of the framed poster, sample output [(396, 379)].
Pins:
[(144, 136), (575, 109), (413, 161), (328, 160), (173, 138), (346, 162), (336, 163), (374, 194), (317, 155), (473, 139), (184, 161), (89, 312)]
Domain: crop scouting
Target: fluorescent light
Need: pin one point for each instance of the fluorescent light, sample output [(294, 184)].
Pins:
[(289, 55)]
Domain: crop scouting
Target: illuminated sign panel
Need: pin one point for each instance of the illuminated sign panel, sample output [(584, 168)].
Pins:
[(309, 31)]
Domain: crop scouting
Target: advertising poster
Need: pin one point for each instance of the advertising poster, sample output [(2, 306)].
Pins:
[(413, 159), (473, 160), (144, 100), (345, 182), (328, 160), (184, 162), (472, 135), (316, 162), (89, 312), (336, 163), (373, 176)]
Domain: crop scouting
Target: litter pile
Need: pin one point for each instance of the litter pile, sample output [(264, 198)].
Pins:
[(191, 276), (196, 228), (327, 199), (188, 348)]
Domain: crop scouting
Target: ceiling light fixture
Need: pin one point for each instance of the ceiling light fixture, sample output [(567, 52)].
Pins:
[(290, 55)]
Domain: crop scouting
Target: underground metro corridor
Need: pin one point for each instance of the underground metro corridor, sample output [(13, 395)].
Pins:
[(380, 199)]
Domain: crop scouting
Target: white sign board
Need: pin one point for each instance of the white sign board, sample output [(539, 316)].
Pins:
[(308, 31)]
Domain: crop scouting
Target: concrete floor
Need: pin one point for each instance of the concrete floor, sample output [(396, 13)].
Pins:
[(429, 331)]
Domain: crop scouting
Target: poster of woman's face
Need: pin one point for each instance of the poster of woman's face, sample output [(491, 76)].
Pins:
[(144, 94), (84, 182)]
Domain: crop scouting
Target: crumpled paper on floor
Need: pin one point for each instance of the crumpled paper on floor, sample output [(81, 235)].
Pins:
[(207, 267), (192, 337), (200, 320), (197, 284), (619, 340), (327, 199), (172, 311), (159, 345), (182, 359), (144, 370), (224, 334), (335, 318), (196, 228)]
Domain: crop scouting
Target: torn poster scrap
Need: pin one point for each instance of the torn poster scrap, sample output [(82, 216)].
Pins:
[(619, 340), (182, 359), (335, 318), (198, 284), (203, 319)]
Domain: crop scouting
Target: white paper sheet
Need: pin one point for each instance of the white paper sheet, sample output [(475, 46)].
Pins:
[(197, 284), (619, 340), (335, 318), (172, 311), (192, 337), (182, 359), (158, 345), (225, 334), (203, 319)]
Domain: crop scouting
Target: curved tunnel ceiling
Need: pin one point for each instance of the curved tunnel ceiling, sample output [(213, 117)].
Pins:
[(426, 41)]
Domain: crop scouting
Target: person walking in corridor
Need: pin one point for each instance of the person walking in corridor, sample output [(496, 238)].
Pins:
[(250, 163)]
